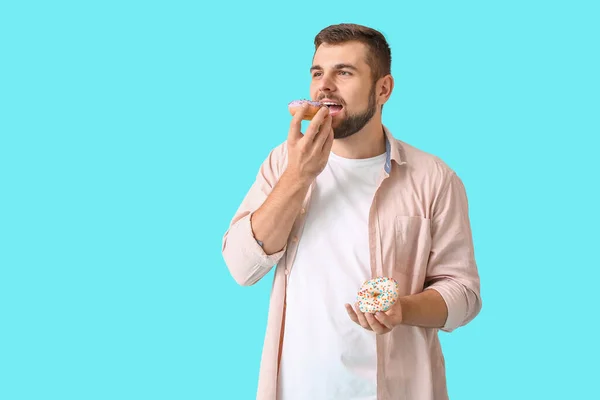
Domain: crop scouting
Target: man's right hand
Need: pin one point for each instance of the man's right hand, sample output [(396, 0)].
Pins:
[(308, 153), (272, 222)]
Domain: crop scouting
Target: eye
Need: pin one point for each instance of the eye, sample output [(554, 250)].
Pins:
[(345, 73), (316, 74)]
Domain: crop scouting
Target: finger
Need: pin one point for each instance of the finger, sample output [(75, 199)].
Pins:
[(296, 124), (316, 123), (323, 134), (328, 144), (352, 314), (374, 324), (384, 319), (361, 319)]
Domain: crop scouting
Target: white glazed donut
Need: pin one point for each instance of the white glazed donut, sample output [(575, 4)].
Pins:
[(377, 294)]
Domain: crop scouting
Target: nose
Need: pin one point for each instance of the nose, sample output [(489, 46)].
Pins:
[(326, 84)]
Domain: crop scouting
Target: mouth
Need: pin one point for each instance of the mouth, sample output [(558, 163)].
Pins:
[(334, 108)]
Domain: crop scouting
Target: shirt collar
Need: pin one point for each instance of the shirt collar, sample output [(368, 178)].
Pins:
[(393, 151)]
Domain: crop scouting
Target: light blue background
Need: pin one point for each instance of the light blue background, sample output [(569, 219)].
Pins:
[(119, 119)]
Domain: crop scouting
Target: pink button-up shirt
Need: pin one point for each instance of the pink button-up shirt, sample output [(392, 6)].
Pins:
[(419, 234)]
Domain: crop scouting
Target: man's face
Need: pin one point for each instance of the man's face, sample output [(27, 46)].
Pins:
[(341, 75)]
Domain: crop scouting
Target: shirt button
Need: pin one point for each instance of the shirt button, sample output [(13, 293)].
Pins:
[(287, 271), (302, 211), (295, 239)]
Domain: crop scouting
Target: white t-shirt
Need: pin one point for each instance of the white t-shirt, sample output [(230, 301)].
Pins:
[(325, 355)]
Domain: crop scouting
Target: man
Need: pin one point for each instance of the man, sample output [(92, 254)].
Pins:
[(339, 204)]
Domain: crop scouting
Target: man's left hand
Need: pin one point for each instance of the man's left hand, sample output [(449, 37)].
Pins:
[(380, 322)]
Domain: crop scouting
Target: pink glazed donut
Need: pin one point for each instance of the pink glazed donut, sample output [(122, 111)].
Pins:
[(311, 111), (377, 294)]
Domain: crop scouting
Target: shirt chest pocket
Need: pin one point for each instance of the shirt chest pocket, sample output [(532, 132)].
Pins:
[(412, 244)]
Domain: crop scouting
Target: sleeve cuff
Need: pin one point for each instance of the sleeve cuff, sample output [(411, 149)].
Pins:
[(253, 247), (456, 303)]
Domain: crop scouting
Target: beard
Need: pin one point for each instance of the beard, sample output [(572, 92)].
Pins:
[(355, 122)]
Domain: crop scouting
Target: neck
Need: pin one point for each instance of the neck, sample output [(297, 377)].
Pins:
[(366, 143)]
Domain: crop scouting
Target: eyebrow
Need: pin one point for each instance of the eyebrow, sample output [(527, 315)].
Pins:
[(336, 66)]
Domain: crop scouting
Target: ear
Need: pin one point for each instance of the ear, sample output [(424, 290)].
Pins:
[(384, 88)]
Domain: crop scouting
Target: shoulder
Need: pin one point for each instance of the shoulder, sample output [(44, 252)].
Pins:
[(425, 166), (428, 177)]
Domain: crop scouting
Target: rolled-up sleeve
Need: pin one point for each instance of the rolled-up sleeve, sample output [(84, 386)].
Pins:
[(452, 269), (245, 258)]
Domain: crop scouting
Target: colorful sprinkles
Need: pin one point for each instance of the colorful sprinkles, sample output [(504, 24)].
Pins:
[(377, 294), (296, 103)]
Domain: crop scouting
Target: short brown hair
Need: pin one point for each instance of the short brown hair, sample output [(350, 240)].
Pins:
[(379, 55)]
